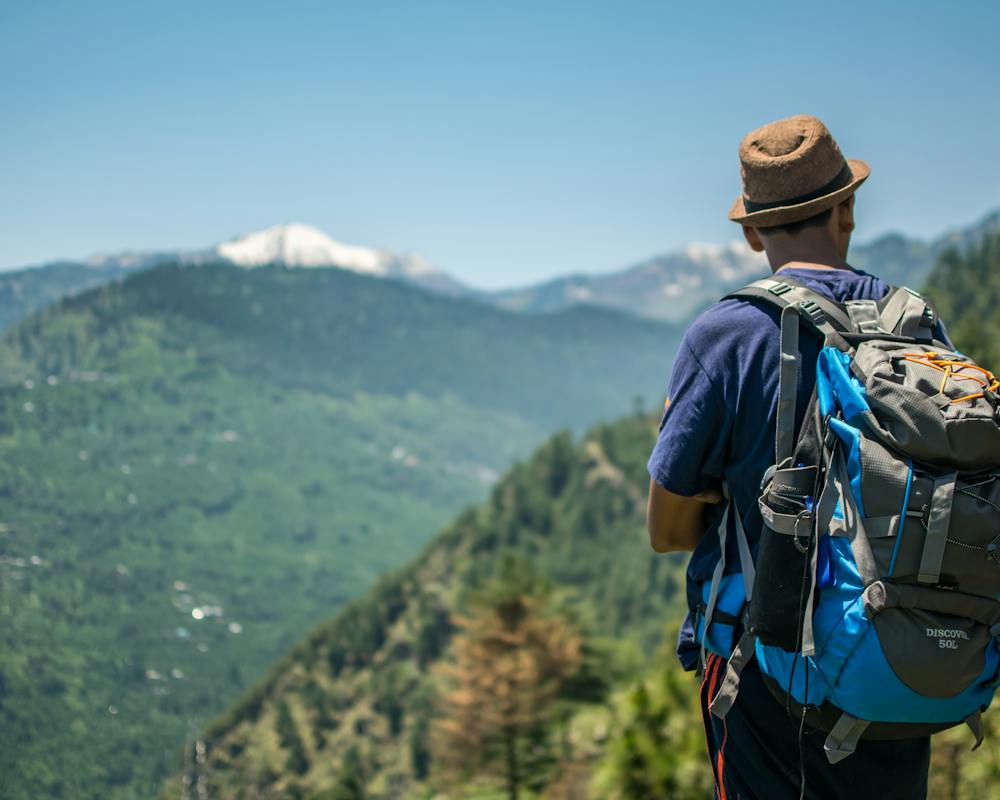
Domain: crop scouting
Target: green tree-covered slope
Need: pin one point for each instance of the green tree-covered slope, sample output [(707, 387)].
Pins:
[(358, 695), (199, 464), (24, 291), (965, 287)]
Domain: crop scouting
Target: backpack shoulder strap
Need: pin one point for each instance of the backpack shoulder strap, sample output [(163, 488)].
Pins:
[(820, 313), (824, 316)]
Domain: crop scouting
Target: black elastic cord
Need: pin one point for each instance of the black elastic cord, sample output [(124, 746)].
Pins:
[(805, 699)]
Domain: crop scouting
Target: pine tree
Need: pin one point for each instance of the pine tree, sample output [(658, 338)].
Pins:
[(511, 659), (351, 778)]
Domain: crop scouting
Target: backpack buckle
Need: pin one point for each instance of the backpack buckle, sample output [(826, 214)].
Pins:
[(814, 311), (779, 288)]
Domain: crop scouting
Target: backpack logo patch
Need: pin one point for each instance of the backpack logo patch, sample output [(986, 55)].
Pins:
[(947, 637)]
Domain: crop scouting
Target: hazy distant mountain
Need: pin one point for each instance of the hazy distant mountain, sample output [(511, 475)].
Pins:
[(671, 287), (973, 235), (676, 285)]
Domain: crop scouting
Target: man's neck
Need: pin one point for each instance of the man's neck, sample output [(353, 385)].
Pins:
[(806, 254)]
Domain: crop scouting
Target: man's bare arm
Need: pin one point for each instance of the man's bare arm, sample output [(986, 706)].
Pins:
[(676, 522)]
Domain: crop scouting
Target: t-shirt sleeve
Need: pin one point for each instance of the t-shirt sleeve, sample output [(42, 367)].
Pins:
[(690, 451)]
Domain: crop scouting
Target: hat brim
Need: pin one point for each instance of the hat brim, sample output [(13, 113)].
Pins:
[(785, 215)]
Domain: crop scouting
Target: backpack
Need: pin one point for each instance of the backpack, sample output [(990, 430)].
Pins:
[(871, 603)]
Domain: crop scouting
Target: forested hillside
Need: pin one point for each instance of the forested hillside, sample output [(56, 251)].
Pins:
[(965, 287), (24, 291), (355, 709), (198, 464)]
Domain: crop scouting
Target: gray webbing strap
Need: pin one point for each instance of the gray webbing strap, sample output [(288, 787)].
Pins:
[(788, 379), (717, 573), (843, 738), (746, 561), (828, 496), (724, 698), (975, 723), (938, 521), (824, 514), (744, 649), (894, 306), (906, 313), (713, 592)]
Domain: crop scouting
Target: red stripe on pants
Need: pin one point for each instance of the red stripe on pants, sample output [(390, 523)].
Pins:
[(714, 668)]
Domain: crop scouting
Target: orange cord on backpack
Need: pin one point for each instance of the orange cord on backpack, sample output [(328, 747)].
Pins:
[(951, 367)]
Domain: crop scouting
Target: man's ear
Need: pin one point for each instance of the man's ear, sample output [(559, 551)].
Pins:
[(845, 215), (753, 239)]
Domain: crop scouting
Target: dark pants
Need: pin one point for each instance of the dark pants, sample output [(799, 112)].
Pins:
[(755, 752)]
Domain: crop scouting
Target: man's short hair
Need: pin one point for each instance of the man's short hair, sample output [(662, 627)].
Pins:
[(817, 221)]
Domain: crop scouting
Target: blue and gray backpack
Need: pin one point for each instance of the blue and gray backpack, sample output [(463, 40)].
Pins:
[(873, 593)]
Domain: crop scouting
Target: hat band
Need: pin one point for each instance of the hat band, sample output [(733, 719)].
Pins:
[(839, 182)]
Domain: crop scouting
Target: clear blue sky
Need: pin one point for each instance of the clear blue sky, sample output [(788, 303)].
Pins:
[(505, 142)]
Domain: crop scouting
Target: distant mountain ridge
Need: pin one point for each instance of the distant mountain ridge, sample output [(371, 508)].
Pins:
[(677, 285), (671, 286)]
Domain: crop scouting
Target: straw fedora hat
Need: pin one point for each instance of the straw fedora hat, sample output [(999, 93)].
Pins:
[(792, 169)]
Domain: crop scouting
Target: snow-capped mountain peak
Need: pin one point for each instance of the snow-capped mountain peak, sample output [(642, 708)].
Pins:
[(293, 246), (298, 245)]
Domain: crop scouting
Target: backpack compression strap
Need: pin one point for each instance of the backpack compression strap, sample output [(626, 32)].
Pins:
[(903, 312)]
